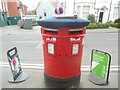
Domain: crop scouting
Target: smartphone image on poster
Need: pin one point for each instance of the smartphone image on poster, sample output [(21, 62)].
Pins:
[(14, 62), (100, 67)]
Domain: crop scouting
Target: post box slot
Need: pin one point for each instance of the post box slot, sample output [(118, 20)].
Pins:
[(51, 31), (75, 32), (76, 29)]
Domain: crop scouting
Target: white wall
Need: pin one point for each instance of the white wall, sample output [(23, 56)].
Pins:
[(69, 6), (119, 10), (99, 4), (0, 5), (45, 5), (91, 9)]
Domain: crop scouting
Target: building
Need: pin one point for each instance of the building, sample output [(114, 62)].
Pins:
[(3, 17), (104, 10), (119, 9), (0, 6), (13, 8), (46, 8)]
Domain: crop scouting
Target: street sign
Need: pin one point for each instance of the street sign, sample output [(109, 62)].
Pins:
[(100, 67), (15, 66), (14, 62)]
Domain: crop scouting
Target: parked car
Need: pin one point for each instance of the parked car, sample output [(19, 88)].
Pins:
[(21, 22)]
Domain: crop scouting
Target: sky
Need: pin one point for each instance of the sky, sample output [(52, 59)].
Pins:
[(32, 3)]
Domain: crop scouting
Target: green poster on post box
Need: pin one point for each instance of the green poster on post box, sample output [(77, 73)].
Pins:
[(100, 65)]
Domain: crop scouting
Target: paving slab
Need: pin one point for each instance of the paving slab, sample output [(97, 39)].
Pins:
[(36, 80)]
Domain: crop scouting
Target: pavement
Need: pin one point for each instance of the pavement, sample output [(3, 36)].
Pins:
[(30, 50), (36, 80), (106, 30)]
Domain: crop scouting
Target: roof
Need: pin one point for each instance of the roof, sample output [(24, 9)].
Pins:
[(104, 7)]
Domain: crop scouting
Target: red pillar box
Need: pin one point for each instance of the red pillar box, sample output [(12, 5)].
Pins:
[(63, 37)]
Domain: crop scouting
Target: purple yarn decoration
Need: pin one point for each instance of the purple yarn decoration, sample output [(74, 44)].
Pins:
[(59, 10)]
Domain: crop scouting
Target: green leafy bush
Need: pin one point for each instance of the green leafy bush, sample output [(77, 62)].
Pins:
[(97, 25), (117, 20), (91, 17), (101, 25), (113, 25), (109, 23), (40, 17), (117, 25), (92, 26)]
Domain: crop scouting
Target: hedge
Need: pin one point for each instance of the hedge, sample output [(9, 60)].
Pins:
[(97, 25)]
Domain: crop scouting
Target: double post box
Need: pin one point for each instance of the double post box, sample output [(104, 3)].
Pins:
[(63, 45)]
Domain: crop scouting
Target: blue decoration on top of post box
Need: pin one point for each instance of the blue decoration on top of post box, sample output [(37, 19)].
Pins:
[(63, 22)]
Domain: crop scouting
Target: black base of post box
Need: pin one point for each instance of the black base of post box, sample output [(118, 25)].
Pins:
[(53, 82)]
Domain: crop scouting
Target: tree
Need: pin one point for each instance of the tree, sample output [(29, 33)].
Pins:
[(33, 12), (91, 17)]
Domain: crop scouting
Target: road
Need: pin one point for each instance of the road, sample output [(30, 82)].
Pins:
[(29, 44), (107, 42)]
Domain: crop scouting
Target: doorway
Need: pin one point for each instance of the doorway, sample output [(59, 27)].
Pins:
[(101, 16)]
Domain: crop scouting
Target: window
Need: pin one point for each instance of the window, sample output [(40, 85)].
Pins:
[(78, 11), (115, 12), (86, 10)]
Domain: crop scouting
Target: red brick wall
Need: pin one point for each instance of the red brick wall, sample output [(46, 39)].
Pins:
[(12, 9), (25, 10)]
